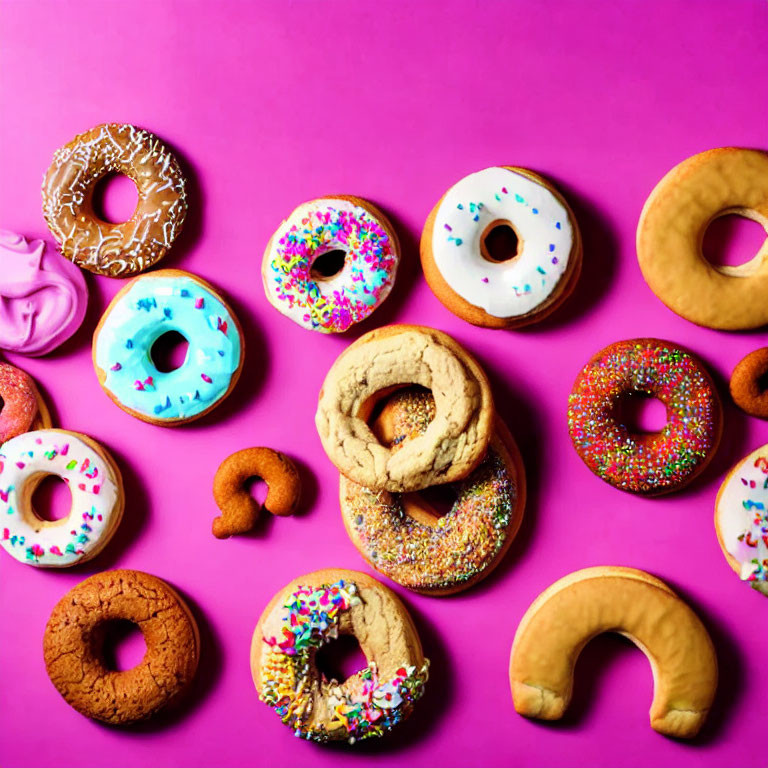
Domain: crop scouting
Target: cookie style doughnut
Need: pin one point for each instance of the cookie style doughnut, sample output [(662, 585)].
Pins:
[(93, 479), (310, 612), (74, 639), (749, 384), (109, 249), (584, 604), (23, 408), (453, 444), (42, 296), (146, 309), (671, 231), (646, 463), (239, 509), (403, 537), (741, 519), (331, 303), (461, 269)]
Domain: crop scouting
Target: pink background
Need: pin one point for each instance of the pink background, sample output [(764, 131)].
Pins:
[(272, 103)]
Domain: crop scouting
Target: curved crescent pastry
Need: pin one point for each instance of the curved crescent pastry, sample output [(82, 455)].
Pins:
[(586, 603)]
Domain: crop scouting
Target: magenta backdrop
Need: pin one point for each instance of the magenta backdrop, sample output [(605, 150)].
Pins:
[(272, 103)]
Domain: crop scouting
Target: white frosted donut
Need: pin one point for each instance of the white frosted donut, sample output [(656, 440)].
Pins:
[(97, 498), (505, 293)]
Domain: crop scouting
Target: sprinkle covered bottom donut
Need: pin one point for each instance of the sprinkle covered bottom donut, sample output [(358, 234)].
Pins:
[(400, 534), (653, 463), (331, 303), (23, 408)]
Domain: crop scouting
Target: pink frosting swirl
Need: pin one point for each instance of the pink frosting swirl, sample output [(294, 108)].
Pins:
[(42, 296)]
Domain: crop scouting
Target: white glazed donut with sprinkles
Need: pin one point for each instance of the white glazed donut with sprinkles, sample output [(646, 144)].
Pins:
[(94, 482), (521, 286)]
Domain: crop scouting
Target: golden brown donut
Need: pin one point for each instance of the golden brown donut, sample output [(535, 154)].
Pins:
[(453, 444), (72, 646), (748, 383), (239, 509), (586, 603), (310, 612), (671, 231)]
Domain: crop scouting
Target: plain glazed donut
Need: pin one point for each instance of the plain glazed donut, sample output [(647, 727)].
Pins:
[(671, 231), (146, 309), (122, 249), (453, 444), (94, 482), (308, 613), (332, 303), (584, 604), (74, 636), (23, 408), (653, 463), (462, 272), (401, 535)]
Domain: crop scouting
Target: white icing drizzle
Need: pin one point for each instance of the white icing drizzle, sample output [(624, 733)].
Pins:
[(504, 289)]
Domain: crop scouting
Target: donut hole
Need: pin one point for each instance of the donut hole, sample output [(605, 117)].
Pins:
[(114, 198), (2, 403), (327, 265), (762, 382), (640, 412), (340, 659), (51, 500), (169, 352), (428, 505), (122, 644), (257, 489), (500, 242), (372, 411), (732, 240)]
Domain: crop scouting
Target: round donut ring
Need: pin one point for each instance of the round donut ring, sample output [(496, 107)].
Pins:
[(587, 603), (122, 249), (647, 463), (23, 408), (748, 382), (453, 444), (310, 612), (671, 231), (74, 636)]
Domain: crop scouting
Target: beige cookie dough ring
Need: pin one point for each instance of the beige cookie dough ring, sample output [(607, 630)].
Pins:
[(453, 444), (584, 604), (671, 230)]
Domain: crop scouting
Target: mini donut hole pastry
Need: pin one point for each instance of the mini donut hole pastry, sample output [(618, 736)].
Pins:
[(741, 519), (566, 616), (22, 408), (749, 384), (331, 263), (649, 463), (74, 646), (153, 306), (239, 510), (451, 446), (501, 249), (95, 486), (436, 543), (102, 247), (671, 231), (306, 615)]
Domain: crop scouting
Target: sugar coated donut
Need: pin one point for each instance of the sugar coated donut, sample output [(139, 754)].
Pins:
[(239, 509), (146, 309), (461, 269), (749, 384), (453, 444), (331, 303), (307, 614), (587, 603), (42, 296), (645, 463), (402, 536), (671, 231), (741, 519), (23, 408), (74, 640), (122, 249), (94, 482)]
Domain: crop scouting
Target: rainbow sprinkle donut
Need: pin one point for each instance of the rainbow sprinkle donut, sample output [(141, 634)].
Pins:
[(647, 463), (331, 303)]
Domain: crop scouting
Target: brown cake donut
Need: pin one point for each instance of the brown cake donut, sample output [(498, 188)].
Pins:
[(748, 383)]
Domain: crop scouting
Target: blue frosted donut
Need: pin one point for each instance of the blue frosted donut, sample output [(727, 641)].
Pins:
[(146, 309)]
